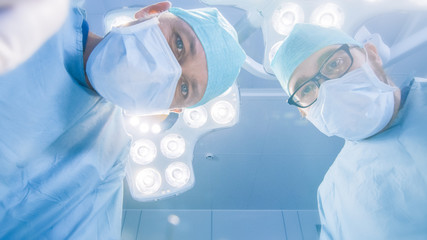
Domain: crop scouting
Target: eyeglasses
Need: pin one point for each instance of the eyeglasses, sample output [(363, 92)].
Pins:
[(335, 66)]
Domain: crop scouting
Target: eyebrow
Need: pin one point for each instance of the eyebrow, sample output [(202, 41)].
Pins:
[(325, 56), (191, 36), (299, 82), (195, 88), (320, 61)]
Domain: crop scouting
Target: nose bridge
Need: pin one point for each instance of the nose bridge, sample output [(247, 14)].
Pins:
[(321, 81)]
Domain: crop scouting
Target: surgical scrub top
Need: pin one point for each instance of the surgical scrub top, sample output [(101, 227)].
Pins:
[(61, 147), (377, 188)]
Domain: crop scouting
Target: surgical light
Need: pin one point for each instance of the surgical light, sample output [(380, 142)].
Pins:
[(172, 146), (328, 15), (285, 16), (177, 174), (195, 117), (160, 161), (223, 112), (143, 151), (148, 181)]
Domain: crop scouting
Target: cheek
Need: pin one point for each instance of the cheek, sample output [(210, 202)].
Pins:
[(379, 71), (176, 101), (303, 111), (165, 28)]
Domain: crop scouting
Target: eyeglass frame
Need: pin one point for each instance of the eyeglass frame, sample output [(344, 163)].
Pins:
[(318, 76)]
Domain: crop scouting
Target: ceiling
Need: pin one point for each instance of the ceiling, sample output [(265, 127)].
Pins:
[(273, 158)]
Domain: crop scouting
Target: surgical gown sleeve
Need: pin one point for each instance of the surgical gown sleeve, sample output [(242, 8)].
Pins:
[(21, 21), (62, 147), (377, 188)]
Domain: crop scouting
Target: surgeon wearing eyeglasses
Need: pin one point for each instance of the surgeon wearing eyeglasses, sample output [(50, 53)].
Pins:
[(377, 186), (62, 143)]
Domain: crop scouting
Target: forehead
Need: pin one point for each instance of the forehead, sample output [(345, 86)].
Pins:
[(173, 23)]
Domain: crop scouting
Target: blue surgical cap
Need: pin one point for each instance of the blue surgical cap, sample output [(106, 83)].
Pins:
[(224, 56), (301, 43)]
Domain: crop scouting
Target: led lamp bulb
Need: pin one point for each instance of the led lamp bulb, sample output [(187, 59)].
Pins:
[(177, 174), (156, 128), (134, 121), (223, 112), (143, 151), (195, 117), (328, 15), (285, 16), (148, 181), (172, 146), (144, 128)]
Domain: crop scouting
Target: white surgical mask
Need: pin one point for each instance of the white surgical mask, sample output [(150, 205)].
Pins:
[(355, 106), (134, 68)]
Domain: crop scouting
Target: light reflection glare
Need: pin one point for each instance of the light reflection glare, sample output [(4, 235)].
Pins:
[(156, 128), (173, 219), (144, 127), (420, 2), (274, 50), (121, 20), (134, 121)]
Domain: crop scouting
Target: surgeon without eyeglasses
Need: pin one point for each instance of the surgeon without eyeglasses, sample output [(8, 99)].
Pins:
[(192, 58), (63, 147)]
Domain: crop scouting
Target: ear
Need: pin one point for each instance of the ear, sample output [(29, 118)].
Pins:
[(176, 110), (373, 55), (153, 9)]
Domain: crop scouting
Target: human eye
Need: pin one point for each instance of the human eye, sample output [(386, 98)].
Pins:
[(306, 93), (307, 90), (336, 66), (184, 89), (179, 44)]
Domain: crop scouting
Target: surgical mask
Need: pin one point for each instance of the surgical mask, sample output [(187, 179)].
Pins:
[(134, 68), (354, 107)]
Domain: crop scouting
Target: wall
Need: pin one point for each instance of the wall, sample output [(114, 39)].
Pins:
[(221, 225)]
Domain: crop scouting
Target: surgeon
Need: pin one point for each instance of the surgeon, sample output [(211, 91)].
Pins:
[(377, 186), (62, 144)]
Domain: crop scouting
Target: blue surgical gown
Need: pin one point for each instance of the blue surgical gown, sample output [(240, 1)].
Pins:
[(377, 188), (62, 147)]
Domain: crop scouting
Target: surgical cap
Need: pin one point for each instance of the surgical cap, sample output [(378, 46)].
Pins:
[(301, 43), (224, 56)]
